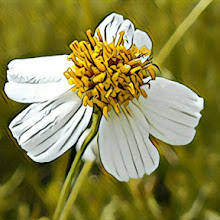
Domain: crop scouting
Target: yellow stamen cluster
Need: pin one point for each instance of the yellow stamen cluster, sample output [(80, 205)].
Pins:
[(108, 74)]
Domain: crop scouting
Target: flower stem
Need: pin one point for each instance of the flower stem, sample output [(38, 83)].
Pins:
[(67, 184), (180, 31), (73, 195)]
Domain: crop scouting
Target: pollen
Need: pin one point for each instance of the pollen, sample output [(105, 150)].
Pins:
[(108, 75)]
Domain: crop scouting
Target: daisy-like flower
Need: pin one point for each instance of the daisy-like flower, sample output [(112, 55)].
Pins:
[(113, 72)]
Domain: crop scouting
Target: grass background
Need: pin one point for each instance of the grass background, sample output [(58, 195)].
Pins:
[(186, 184)]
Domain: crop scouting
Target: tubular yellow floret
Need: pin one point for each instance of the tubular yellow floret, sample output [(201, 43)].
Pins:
[(120, 38), (125, 68), (116, 108), (135, 69), (145, 50), (105, 111), (90, 38), (66, 74), (99, 34), (85, 100), (108, 75), (131, 88), (99, 78), (108, 93)]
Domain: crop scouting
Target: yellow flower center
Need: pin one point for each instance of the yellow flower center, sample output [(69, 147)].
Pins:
[(108, 75)]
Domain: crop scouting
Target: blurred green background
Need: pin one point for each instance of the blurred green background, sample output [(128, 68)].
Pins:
[(186, 184)]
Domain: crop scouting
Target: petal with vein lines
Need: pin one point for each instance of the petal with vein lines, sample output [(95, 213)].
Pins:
[(38, 70), (172, 111), (44, 125), (125, 149)]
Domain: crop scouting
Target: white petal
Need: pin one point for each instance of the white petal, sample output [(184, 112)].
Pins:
[(39, 121), (34, 120), (140, 127), (113, 27), (113, 24), (110, 152), (128, 27), (172, 111), (38, 70), (82, 138), (89, 151), (49, 129), (89, 154), (65, 138), (29, 93), (125, 149), (114, 18), (142, 39)]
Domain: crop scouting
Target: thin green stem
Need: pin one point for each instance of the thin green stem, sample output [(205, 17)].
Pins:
[(67, 184), (180, 31), (75, 190), (198, 204), (66, 187)]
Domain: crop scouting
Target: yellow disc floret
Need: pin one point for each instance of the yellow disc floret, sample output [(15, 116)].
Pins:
[(108, 74)]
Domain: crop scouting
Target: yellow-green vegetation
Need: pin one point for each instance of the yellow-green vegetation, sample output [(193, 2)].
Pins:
[(186, 46)]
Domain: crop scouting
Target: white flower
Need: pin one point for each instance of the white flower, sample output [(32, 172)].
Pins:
[(111, 71)]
